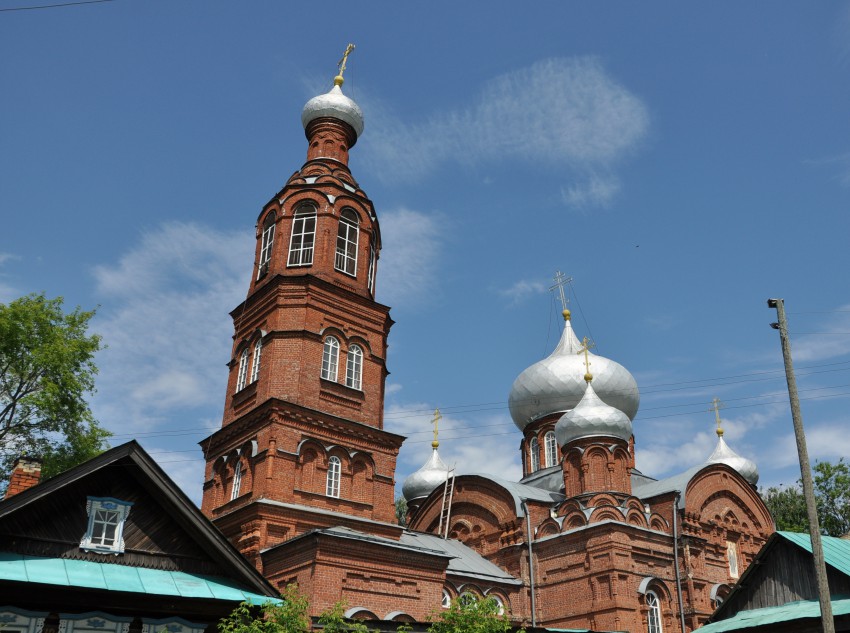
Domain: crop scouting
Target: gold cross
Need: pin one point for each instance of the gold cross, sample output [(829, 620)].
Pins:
[(435, 421), (341, 64), (716, 405), (560, 281), (585, 349)]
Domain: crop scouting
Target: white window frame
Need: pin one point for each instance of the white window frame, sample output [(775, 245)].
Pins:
[(446, 601), (334, 476), (303, 239), (373, 252), (255, 363), (534, 453), (171, 625), (346, 243), (266, 244), (330, 359), (14, 619), (501, 604), (236, 486), (354, 367), (93, 622), (103, 513), (550, 444), (732, 556), (242, 376), (653, 615)]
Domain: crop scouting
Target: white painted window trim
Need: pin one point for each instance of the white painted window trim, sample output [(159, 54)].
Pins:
[(21, 620), (354, 368), (236, 486), (334, 476), (653, 615), (303, 239), (551, 449), (346, 243), (330, 359), (105, 512), (534, 452), (243, 370), (255, 363), (266, 244)]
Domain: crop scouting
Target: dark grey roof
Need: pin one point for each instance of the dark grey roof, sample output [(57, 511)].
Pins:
[(520, 492), (464, 562), (646, 487), (551, 479)]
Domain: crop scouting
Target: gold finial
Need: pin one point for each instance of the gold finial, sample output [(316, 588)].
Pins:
[(560, 281), (341, 65), (716, 406), (584, 349), (435, 421)]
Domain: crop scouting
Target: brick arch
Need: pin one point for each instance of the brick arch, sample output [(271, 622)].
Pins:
[(606, 514), (657, 522), (603, 499), (492, 499), (595, 466), (720, 482), (549, 527), (574, 520)]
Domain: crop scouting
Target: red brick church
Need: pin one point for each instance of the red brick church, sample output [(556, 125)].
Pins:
[(301, 475)]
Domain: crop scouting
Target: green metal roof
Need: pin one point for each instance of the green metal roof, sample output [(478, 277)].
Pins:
[(836, 551), (774, 615), (66, 572)]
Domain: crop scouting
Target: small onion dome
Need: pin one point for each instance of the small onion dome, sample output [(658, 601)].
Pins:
[(724, 455), (556, 383), (591, 417), (420, 484), (335, 105)]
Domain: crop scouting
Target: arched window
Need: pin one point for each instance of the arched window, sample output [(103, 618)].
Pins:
[(551, 446), (330, 359), (303, 237), (237, 481), (346, 243), (467, 598), (500, 604), (446, 602), (373, 256), (354, 367), (243, 370), (266, 244), (334, 471), (653, 616), (255, 366), (732, 555), (535, 455)]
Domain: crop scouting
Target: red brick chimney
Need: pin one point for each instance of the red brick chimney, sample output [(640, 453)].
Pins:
[(26, 472)]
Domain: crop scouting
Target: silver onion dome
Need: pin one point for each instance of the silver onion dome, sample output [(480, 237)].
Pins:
[(591, 417), (724, 455), (556, 383), (420, 484), (335, 105)]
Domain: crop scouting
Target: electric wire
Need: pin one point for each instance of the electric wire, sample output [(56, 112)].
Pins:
[(54, 6)]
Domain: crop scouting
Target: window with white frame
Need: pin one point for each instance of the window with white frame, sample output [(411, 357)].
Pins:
[(354, 367), (446, 602), (241, 377), (330, 358), (500, 604), (171, 625), (255, 365), (105, 528), (93, 622), (14, 620), (551, 449), (534, 451), (653, 616), (266, 244), (346, 242), (237, 481), (373, 256), (303, 237), (334, 474), (732, 555)]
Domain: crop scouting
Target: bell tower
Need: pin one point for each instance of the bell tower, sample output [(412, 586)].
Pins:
[(302, 443)]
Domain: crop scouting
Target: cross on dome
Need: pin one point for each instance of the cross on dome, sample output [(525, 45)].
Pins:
[(585, 349), (562, 280), (716, 405), (338, 80), (437, 417)]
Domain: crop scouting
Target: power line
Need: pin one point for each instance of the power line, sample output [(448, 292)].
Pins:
[(55, 6)]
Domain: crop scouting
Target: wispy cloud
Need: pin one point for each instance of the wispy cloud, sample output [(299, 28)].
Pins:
[(521, 290), (830, 339), (407, 275), (839, 164), (563, 113)]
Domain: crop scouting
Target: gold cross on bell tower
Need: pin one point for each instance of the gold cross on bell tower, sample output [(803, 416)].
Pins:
[(716, 405), (585, 349), (435, 421), (341, 65), (562, 280)]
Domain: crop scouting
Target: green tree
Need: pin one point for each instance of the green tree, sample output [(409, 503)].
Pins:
[(288, 617), (401, 511), (333, 620), (832, 497), (468, 614), (46, 370)]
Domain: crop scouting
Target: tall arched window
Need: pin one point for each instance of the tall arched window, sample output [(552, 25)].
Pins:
[(243, 370), (346, 242), (266, 244), (535, 455), (373, 256), (237, 481), (354, 367), (255, 366), (303, 237), (653, 616), (551, 446), (334, 472), (330, 359)]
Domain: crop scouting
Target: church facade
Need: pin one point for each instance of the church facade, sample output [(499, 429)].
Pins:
[(301, 475)]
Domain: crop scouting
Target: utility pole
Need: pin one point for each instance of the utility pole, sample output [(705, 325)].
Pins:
[(805, 469)]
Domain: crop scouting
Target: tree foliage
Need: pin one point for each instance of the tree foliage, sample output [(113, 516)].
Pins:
[(832, 497), (46, 370), (289, 617), (469, 614), (401, 511), (333, 620)]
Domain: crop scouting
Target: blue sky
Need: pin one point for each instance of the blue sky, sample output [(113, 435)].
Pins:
[(681, 162)]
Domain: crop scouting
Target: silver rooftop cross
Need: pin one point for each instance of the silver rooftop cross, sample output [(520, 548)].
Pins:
[(561, 280)]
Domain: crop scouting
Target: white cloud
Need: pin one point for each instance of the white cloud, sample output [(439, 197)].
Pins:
[(521, 290), (597, 191), (166, 326), (840, 163), (407, 275), (824, 345), (556, 113)]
